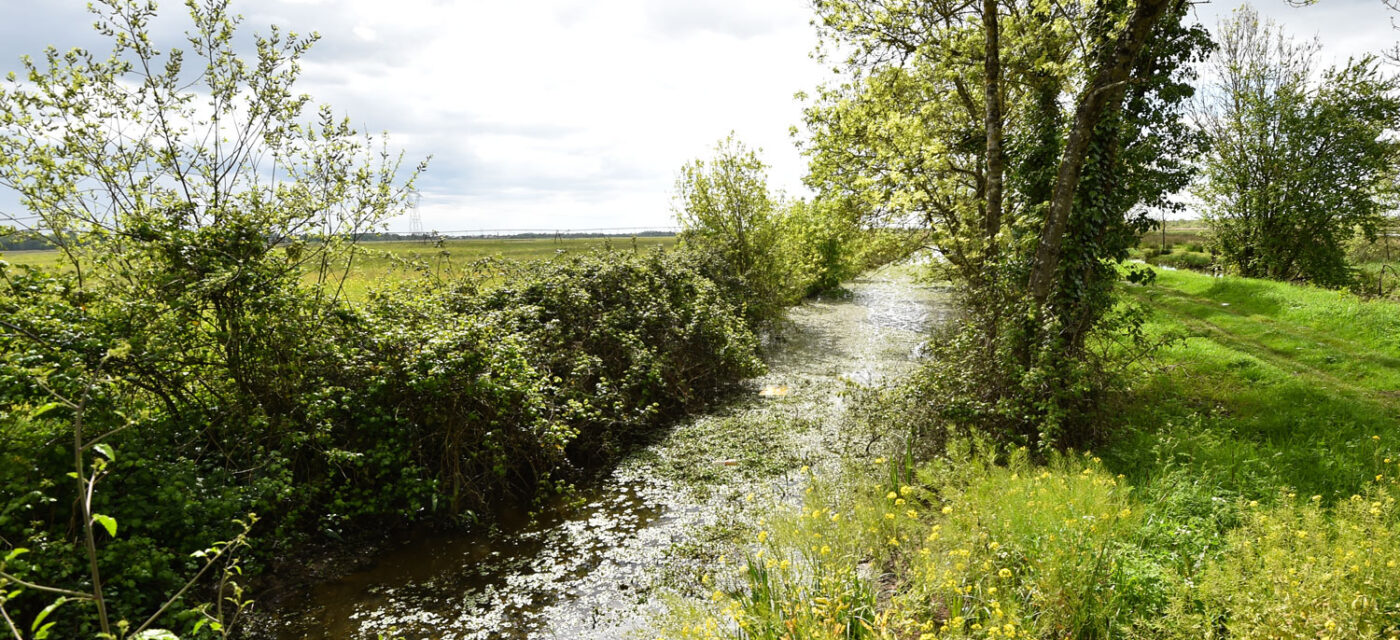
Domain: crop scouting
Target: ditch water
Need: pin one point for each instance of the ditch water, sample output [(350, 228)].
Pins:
[(601, 565)]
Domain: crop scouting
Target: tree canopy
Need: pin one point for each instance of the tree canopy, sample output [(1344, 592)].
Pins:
[(1300, 159)]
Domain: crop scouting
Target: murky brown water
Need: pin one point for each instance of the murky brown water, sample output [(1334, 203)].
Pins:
[(597, 568)]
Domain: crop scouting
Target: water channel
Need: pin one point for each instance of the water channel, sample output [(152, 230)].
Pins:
[(598, 566)]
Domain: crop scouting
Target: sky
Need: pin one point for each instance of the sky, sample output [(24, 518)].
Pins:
[(574, 114)]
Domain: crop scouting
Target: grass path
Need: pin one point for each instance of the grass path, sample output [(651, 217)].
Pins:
[(1275, 385), (1325, 361)]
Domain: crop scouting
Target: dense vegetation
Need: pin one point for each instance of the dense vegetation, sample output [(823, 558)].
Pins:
[(1245, 482), (1248, 489), (192, 355), (199, 382), (1299, 160), (1032, 172)]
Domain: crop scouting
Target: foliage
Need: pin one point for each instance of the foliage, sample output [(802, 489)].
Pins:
[(990, 546), (1298, 570), (768, 253), (969, 549), (823, 244), (1182, 260), (906, 135), (1297, 163), (725, 210), (626, 341), (199, 310)]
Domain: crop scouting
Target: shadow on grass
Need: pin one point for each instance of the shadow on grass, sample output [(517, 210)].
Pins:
[(1250, 437)]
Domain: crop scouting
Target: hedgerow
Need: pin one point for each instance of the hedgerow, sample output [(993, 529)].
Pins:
[(430, 401)]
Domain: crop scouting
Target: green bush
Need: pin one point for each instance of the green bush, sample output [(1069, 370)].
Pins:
[(429, 401), (727, 213), (1183, 260), (625, 340), (764, 253), (821, 241)]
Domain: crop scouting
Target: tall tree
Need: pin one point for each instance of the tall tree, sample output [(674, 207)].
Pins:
[(1089, 98), (1296, 165)]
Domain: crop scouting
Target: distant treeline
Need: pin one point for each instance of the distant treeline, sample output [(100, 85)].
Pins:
[(528, 235), (35, 241), (24, 241)]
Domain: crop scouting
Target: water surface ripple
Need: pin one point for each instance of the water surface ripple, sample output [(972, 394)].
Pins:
[(598, 566)]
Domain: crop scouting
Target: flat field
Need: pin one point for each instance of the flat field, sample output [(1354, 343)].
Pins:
[(385, 262)]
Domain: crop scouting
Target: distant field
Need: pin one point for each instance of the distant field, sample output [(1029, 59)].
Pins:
[(384, 262), (1177, 232)]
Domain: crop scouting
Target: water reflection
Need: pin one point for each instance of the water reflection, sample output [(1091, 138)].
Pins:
[(594, 568)]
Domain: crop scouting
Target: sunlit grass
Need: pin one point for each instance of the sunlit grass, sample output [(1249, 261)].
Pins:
[(1273, 385), (1250, 491), (376, 264)]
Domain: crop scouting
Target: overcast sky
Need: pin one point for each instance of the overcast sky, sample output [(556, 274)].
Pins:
[(570, 114)]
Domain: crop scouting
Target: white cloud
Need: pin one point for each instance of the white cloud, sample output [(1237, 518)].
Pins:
[(576, 113), (1346, 28), (365, 33), (570, 114)]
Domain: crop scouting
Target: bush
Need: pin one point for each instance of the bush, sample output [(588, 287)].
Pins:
[(727, 213), (1184, 260), (1300, 570), (428, 401), (820, 242), (626, 341), (764, 253)]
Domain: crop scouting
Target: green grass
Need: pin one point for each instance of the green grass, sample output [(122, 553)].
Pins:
[(1179, 232), (1251, 489), (382, 263), (1273, 385)]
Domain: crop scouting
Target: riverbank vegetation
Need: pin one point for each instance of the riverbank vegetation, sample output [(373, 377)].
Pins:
[(197, 353), (1248, 489), (1240, 479), (200, 384)]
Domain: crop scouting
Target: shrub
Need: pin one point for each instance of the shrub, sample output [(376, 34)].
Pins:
[(1297, 569), (626, 341), (428, 401), (820, 243), (726, 212), (1184, 260)]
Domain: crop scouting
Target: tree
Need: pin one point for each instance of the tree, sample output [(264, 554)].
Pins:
[(1031, 186), (1296, 165), (206, 216), (725, 210)]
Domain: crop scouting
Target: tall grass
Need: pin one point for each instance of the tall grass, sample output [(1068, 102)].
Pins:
[(1250, 491)]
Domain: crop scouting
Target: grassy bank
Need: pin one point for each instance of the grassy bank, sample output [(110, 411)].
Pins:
[(1249, 491)]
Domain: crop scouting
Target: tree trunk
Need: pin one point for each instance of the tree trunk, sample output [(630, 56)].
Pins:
[(1103, 92), (995, 158)]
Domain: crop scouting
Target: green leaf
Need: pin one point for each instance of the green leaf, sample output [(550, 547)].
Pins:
[(155, 634), (17, 552), (106, 450), (45, 408), (108, 522), (39, 619)]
